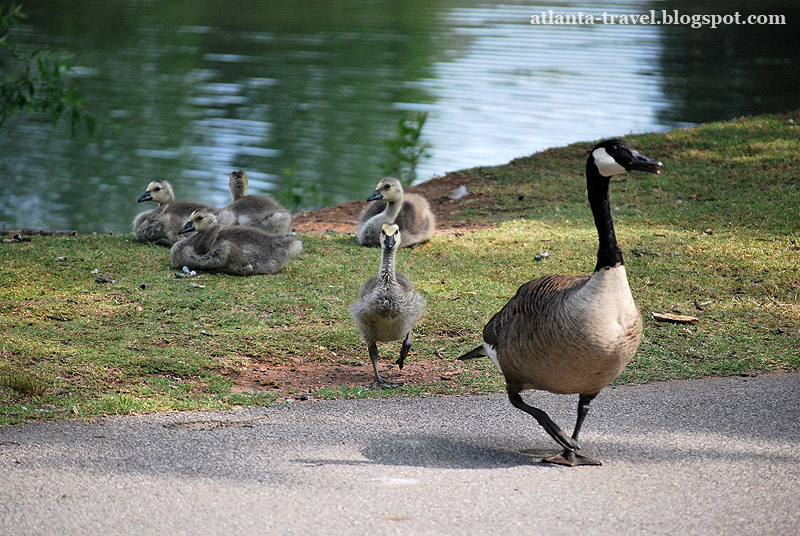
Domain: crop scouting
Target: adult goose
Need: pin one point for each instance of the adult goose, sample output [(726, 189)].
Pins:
[(162, 224), (388, 306), (236, 249), (389, 204), (572, 334), (260, 211)]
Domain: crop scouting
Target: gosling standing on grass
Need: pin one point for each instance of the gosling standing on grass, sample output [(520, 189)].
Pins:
[(388, 306), (236, 250), (389, 204)]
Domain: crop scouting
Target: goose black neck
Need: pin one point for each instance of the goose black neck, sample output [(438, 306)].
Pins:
[(608, 252)]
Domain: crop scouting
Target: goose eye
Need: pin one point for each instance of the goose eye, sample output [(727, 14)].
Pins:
[(199, 218), (387, 187), (157, 188)]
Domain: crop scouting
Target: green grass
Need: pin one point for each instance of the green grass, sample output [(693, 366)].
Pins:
[(720, 228)]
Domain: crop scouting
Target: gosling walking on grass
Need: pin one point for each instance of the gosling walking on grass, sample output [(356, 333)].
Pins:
[(388, 306)]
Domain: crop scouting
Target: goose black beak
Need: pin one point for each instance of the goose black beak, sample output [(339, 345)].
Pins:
[(640, 162), (145, 197), (389, 242), (375, 196), (188, 228)]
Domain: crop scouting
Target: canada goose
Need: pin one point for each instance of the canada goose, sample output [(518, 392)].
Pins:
[(572, 334), (387, 306), (161, 225), (260, 211), (236, 250), (389, 204)]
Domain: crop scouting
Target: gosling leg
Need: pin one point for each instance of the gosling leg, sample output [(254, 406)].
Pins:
[(379, 382), (404, 348)]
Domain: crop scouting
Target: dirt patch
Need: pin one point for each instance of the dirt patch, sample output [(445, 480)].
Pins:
[(297, 379), (343, 218)]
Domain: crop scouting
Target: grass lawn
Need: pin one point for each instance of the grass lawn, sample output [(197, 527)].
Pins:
[(716, 236)]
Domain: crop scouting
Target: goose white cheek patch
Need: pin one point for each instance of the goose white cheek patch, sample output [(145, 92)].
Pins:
[(605, 163)]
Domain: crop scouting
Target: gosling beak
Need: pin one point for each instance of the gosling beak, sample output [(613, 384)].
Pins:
[(389, 242), (188, 228), (145, 197), (640, 162), (375, 196)]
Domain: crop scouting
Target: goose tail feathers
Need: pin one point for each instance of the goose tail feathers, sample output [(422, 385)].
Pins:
[(480, 351)]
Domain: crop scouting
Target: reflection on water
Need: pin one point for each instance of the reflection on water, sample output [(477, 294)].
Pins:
[(302, 94)]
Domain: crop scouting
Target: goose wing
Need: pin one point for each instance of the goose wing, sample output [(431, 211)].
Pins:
[(532, 299), (372, 208), (411, 216)]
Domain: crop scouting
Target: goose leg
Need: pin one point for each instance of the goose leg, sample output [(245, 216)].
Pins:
[(569, 456), (404, 348), (544, 420), (379, 382)]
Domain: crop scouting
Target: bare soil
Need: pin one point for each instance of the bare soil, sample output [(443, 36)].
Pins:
[(343, 218), (295, 380)]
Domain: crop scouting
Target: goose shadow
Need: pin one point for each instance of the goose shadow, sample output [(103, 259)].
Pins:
[(444, 453), (440, 453)]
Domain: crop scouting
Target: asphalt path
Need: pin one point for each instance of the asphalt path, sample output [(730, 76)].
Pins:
[(713, 456)]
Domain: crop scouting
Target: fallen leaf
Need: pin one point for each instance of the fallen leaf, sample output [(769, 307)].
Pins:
[(675, 319)]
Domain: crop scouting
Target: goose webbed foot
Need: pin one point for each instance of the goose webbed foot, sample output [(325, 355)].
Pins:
[(571, 458), (380, 383)]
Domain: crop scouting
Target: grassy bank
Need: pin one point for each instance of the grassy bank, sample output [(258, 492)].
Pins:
[(717, 236)]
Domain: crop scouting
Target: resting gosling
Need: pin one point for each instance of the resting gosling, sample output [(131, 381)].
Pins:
[(161, 225), (387, 306), (260, 211), (389, 204), (236, 250), (572, 334)]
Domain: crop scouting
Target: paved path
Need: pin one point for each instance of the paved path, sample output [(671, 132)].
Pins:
[(714, 456)]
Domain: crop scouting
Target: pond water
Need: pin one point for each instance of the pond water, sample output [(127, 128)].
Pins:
[(303, 94)]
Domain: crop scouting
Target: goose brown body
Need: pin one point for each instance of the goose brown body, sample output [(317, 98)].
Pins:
[(567, 334)]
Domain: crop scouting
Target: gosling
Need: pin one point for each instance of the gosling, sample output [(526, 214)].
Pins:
[(389, 204), (387, 306), (260, 211), (236, 250), (161, 225)]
